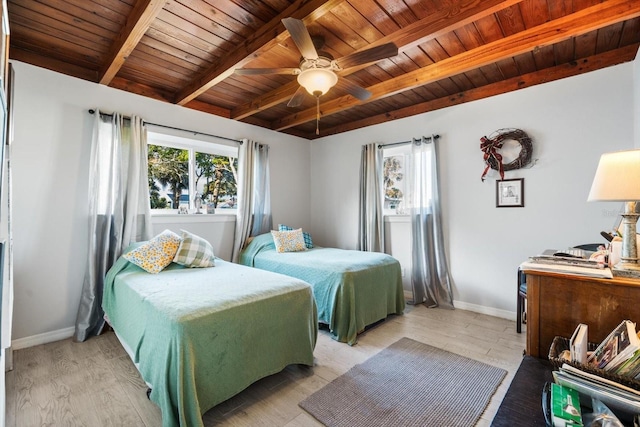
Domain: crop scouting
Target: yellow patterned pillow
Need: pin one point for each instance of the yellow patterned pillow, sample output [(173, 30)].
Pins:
[(157, 253), (289, 241)]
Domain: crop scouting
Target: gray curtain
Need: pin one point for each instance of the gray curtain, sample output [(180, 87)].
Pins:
[(254, 200), (370, 218), (118, 207), (430, 279), (262, 222)]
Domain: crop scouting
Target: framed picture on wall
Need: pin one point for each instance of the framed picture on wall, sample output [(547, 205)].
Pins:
[(510, 193)]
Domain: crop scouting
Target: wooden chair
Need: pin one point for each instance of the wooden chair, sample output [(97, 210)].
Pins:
[(521, 314)]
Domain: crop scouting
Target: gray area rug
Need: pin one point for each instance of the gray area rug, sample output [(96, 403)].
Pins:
[(407, 384)]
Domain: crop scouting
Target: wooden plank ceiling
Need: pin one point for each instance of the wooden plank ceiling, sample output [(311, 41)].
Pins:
[(450, 51)]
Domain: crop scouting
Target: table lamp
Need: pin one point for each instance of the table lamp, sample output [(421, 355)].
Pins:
[(617, 179)]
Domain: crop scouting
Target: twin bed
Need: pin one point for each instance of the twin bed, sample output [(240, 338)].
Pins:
[(352, 289), (199, 336)]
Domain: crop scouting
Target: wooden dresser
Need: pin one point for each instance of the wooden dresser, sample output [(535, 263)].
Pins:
[(558, 302)]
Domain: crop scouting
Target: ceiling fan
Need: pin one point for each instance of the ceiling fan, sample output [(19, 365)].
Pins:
[(317, 70)]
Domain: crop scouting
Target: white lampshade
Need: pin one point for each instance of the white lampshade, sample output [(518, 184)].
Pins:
[(617, 178), (317, 80)]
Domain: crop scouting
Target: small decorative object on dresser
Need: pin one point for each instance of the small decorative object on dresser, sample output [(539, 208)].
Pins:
[(510, 193)]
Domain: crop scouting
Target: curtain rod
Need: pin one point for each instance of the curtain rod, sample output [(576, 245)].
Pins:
[(428, 138), (92, 111)]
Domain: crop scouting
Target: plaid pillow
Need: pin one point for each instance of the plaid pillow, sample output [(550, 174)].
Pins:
[(307, 237), (194, 251), (154, 255)]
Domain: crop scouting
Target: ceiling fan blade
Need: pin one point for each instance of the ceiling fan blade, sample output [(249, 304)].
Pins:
[(256, 71), (301, 37), (297, 98), (368, 55), (353, 89)]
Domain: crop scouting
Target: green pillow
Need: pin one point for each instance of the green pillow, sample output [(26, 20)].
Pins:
[(194, 251)]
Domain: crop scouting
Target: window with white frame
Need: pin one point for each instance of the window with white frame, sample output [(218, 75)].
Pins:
[(188, 175), (398, 168)]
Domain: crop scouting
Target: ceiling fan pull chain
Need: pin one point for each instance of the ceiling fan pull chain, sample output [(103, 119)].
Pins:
[(317, 115)]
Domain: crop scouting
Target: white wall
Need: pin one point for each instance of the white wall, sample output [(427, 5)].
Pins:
[(572, 122), (50, 170), (218, 229)]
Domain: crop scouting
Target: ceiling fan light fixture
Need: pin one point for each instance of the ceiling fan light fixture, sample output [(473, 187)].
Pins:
[(317, 80)]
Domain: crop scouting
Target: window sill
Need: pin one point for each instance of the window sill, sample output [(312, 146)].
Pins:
[(397, 218), (175, 218)]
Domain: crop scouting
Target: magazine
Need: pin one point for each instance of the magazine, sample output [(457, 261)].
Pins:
[(616, 348), (613, 397)]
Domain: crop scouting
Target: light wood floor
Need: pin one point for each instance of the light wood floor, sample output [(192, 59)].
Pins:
[(95, 383)]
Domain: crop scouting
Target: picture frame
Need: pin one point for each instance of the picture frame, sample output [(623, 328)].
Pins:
[(510, 193)]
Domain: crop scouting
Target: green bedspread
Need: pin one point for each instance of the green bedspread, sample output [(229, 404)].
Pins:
[(200, 336), (352, 289)]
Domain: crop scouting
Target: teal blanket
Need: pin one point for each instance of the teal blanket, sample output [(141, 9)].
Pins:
[(352, 289), (200, 336)]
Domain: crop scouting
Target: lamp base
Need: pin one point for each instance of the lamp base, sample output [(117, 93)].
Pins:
[(627, 269), (628, 265)]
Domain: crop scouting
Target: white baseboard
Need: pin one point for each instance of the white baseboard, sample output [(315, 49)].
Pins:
[(43, 338), (504, 314)]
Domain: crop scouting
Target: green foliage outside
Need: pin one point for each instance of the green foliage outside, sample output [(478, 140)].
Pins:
[(157, 202), (220, 175), (169, 167), (392, 174)]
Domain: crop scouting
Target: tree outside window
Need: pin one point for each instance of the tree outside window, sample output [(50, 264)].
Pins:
[(168, 169), (393, 173), (175, 173), (216, 178)]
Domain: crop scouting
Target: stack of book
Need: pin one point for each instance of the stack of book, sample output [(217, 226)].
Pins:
[(617, 349), (616, 357), (569, 261), (611, 393)]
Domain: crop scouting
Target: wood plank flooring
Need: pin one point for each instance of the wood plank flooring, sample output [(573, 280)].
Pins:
[(95, 383)]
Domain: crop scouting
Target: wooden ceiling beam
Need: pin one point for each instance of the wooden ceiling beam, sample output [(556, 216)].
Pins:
[(581, 22), (53, 64), (140, 89), (585, 65), (442, 22), (264, 39), (141, 17), (208, 108)]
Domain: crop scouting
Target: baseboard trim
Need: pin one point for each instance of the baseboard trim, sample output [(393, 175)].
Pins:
[(43, 338), (504, 314)]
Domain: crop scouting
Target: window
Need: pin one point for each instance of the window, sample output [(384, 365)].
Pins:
[(191, 175), (398, 168), (394, 177)]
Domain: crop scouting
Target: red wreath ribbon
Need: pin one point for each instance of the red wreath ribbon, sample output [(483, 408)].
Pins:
[(489, 147)]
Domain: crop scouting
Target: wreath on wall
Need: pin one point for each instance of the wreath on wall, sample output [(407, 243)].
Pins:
[(494, 142)]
